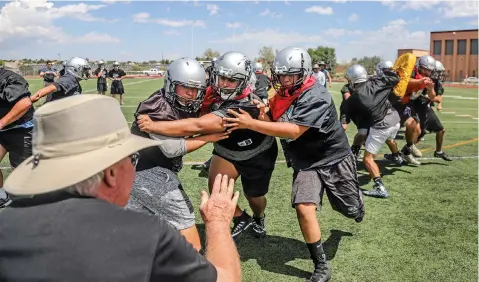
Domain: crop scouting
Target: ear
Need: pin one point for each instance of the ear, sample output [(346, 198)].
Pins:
[(110, 177)]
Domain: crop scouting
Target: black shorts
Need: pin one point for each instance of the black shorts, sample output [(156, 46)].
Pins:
[(429, 122), (18, 143), (405, 112), (117, 87), (256, 172), (101, 87), (340, 182)]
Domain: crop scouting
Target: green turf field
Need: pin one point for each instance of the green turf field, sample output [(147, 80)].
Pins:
[(425, 231)]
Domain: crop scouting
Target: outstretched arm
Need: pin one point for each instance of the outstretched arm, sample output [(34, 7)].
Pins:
[(243, 120), (206, 124), (175, 147)]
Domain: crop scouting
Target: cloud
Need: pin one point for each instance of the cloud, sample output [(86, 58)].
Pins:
[(171, 32), (397, 22), (213, 8), (384, 41), (460, 9), (353, 17), (233, 25), (94, 37), (267, 12), (447, 9), (24, 21), (269, 36), (116, 1), (287, 2), (319, 10), (145, 18)]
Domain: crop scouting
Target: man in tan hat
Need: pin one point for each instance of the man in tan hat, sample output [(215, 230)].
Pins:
[(67, 221)]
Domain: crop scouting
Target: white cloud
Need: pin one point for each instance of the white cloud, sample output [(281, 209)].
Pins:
[(269, 36), (287, 2), (94, 37), (116, 1), (233, 25), (213, 8), (320, 10), (171, 32), (448, 9), (397, 22), (267, 12), (384, 41), (145, 18), (25, 21), (353, 17), (460, 9), (340, 1)]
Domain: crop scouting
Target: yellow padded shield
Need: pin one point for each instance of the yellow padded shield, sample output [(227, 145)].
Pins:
[(404, 66)]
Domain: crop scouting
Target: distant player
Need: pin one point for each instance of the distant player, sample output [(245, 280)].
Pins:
[(76, 69), (263, 83), (117, 75), (101, 73), (48, 74)]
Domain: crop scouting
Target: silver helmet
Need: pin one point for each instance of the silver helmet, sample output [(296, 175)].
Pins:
[(439, 71), (233, 66), (383, 65), (78, 67), (101, 62), (291, 61), (258, 67), (213, 60), (189, 73), (426, 62), (356, 74)]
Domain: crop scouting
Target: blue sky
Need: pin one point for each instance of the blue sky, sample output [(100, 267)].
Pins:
[(148, 30)]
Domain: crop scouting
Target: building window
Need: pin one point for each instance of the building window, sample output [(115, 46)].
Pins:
[(474, 73), (473, 47), (461, 47), (437, 47), (449, 47), (461, 75)]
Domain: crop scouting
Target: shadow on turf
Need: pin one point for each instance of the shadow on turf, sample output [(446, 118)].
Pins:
[(203, 173), (274, 252)]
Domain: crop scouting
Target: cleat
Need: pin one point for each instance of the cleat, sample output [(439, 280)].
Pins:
[(259, 227), (443, 156), (378, 191), (416, 152), (240, 224)]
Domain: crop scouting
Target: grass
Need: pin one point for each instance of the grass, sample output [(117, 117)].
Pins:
[(425, 231)]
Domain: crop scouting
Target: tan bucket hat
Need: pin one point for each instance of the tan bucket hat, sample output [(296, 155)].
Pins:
[(73, 139)]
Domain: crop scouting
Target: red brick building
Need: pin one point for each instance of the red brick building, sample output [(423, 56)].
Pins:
[(457, 50)]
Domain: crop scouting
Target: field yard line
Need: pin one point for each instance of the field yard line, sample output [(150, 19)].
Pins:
[(454, 145), (131, 83), (460, 97), (448, 113)]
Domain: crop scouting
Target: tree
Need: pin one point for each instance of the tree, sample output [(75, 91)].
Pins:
[(324, 54), (369, 63), (209, 54), (266, 57), (2, 63)]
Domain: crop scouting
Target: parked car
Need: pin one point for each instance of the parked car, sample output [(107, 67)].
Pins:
[(153, 72), (471, 80)]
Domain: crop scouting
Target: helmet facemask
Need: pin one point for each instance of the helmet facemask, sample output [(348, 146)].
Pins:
[(230, 93), (276, 72), (182, 103)]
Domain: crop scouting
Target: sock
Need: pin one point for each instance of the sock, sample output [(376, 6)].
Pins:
[(439, 152), (316, 251), (378, 180)]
